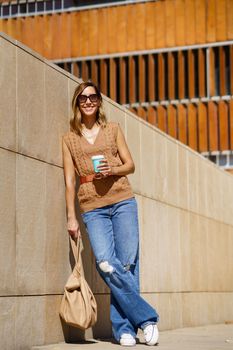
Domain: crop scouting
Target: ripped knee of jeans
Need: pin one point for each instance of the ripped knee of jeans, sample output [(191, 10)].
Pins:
[(127, 267), (106, 267)]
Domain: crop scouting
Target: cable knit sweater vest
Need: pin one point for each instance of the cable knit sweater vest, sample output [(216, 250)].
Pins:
[(98, 193)]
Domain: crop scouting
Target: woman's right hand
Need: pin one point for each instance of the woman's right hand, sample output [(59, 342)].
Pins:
[(73, 228)]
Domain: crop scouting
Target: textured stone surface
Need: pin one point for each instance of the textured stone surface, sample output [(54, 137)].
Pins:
[(160, 170), (7, 219), (147, 163), (8, 118), (183, 179), (133, 141), (57, 268), (172, 194), (31, 131), (31, 226), (7, 321), (57, 109)]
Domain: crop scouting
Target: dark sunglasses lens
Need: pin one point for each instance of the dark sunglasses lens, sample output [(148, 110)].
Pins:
[(93, 97), (82, 98)]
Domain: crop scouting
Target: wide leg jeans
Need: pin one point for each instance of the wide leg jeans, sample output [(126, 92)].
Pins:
[(114, 237)]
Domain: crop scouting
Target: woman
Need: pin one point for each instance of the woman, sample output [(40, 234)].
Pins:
[(109, 211)]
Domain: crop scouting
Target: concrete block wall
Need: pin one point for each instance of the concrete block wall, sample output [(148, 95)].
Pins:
[(185, 209)]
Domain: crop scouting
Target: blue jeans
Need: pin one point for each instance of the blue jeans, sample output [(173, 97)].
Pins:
[(114, 237)]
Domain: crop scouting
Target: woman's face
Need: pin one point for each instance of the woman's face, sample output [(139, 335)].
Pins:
[(89, 102)]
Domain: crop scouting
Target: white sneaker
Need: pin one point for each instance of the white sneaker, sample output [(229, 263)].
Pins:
[(127, 340), (151, 334)]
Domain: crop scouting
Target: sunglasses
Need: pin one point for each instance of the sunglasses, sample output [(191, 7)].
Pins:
[(83, 98)]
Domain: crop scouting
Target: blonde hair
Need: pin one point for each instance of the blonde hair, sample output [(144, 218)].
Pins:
[(76, 121)]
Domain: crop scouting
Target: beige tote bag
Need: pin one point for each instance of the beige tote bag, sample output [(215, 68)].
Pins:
[(78, 306)]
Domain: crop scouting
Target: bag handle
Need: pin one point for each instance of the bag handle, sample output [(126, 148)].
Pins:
[(76, 246)]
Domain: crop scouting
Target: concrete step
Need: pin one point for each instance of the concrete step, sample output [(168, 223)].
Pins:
[(212, 337)]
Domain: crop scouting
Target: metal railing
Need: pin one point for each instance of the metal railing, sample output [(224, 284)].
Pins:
[(23, 8), (160, 76)]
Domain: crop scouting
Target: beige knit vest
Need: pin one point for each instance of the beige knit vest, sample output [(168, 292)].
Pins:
[(98, 193)]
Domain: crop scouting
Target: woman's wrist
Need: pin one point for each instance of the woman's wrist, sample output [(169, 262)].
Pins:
[(114, 170), (71, 217)]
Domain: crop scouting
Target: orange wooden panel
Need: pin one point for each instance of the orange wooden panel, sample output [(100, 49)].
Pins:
[(103, 77), (222, 70), (201, 73), (180, 22), (202, 128), (229, 20), (190, 22), (160, 24), (150, 25), (182, 123), (171, 76), (152, 116), (171, 121), (211, 21), (162, 118), (56, 35), (224, 142), (170, 23), (130, 28), (191, 74), (85, 71), (140, 26), (94, 72), (10, 27), (93, 32), (48, 24), (231, 123), (122, 63), (142, 113), (112, 29), (151, 78), (102, 31), (213, 126), (192, 126), (132, 80), (112, 79), (200, 21), (212, 71), (221, 20), (84, 33), (231, 69), (5, 26), (76, 69), (65, 39), (17, 29), (28, 32), (161, 76), (39, 34), (75, 34), (141, 78), (181, 75), (121, 38)]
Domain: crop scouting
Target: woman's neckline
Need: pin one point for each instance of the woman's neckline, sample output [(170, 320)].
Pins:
[(96, 138)]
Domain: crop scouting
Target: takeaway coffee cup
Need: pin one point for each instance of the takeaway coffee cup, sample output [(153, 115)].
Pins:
[(96, 161)]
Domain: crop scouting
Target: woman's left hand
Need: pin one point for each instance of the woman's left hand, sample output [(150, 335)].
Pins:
[(104, 169)]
